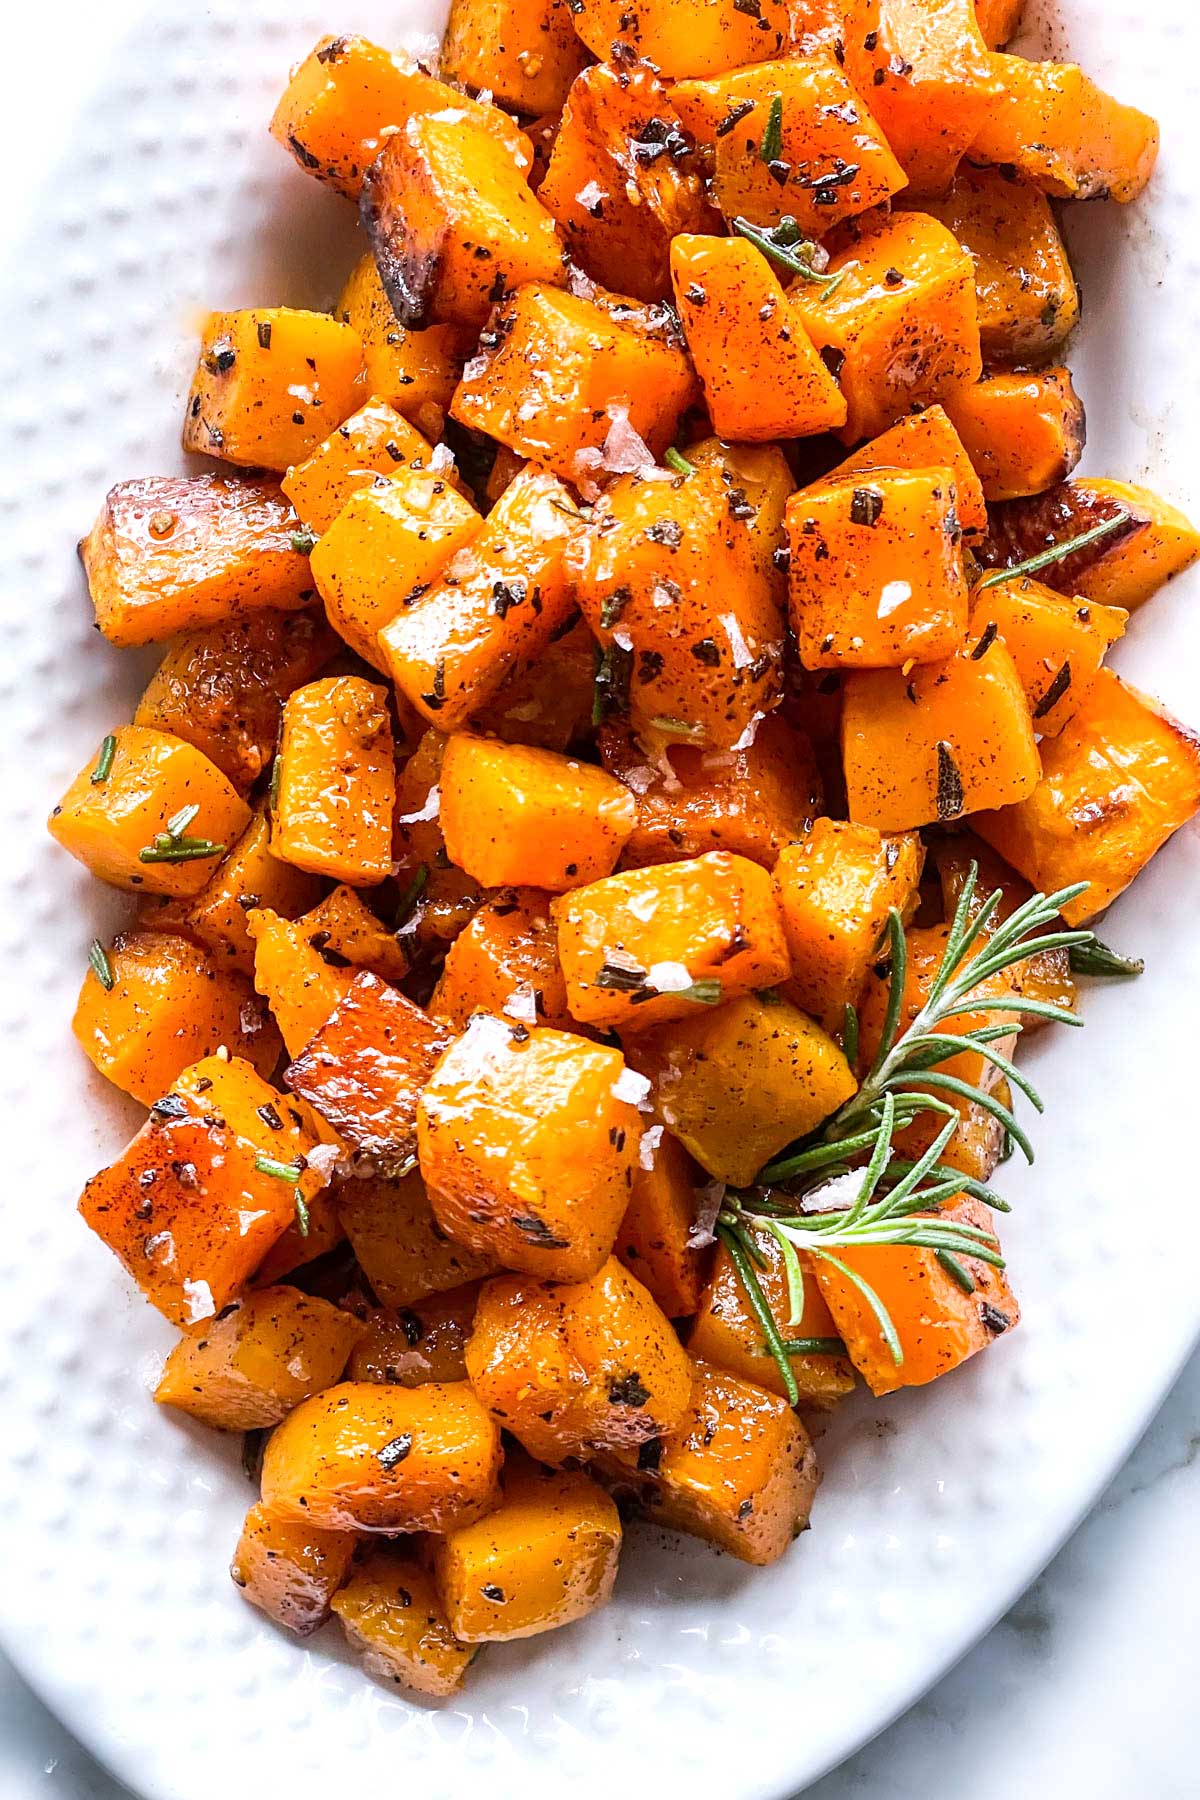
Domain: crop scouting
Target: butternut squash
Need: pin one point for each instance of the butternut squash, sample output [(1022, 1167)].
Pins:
[(423, 1342), (527, 55), (438, 898), (1063, 133), (263, 1355), (1057, 644), (655, 1239), (1024, 432), (300, 987), (336, 791), (416, 371), (548, 703), (270, 384), (686, 37), (401, 1249), (1151, 542), (390, 1612), (375, 440), (290, 1572), (505, 961), (344, 931), (923, 440)]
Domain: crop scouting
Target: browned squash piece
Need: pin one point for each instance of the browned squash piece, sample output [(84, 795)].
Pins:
[(376, 440), (923, 440), (574, 1367), (550, 702), (335, 793), (414, 371), (1024, 432), (506, 962), (290, 1572), (423, 1342), (271, 384), (525, 52), (222, 688), (1058, 644), (365, 1068), (391, 1613), (686, 37), (261, 1356), (401, 1249), (622, 181), (344, 932), (299, 986), (654, 1241), (172, 553), (1064, 134)]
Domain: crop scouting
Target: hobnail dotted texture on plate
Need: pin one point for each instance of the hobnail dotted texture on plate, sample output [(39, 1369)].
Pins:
[(937, 1506)]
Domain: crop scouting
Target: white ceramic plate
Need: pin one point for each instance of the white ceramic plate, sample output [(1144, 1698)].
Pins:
[(158, 196)]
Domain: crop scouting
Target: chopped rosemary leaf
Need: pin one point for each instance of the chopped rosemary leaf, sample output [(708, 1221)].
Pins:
[(104, 761), (100, 966), (674, 459), (273, 784), (676, 727), (270, 1165), (831, 1346), (1056, 553), (302, 1218), (771, 148), (184, 849), (785, 244), (178, 823), (955, 1270), (610, 688), (705, 992), (850, 1034), (303, 543), (1096, 958), (411, 895)]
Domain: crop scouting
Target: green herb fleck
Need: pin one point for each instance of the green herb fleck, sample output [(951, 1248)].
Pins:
[(104, 761), (270, 1165), (674, 459), (771, 148), (100, 966), (1097, 959)]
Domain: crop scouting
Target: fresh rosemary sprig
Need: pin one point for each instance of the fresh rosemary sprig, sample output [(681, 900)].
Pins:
[(173, 844), (1056, 553), (787, 245), (1097, 959), (833, 1198)]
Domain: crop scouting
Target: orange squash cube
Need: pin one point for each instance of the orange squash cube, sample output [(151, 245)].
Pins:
[(452, 221), (556, 374), (620, 198), (400, 1247), (155, 820), (270, 385), (739, 1470), (526, 54), (414, 371), (495, 606), (423, 1342), (364, 1457), (654, 1242), (835, 889), (773, 384), (1057, 644), (939, 1324), (263, 1355), (528, 1144), (651, 945), (187, 1207), (998, 20), (439, 899), (391, 1613), (1024, 432), (173, 553), (365, 1068), (726, 1334), (505, 961), (509, 811), (546, 1557), (948, 739), (758, 480), (736, 1083), (1064, 134), (876, 578), (895, 344), (299, 986), (164, 1005), (222, 688), (686, 37), (570, 1368), (1117, 781), (343, 930), (376, 440), (332, 809), (921, 441), (290, 1572)]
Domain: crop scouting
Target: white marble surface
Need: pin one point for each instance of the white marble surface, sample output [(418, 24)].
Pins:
[(1087, 1687)]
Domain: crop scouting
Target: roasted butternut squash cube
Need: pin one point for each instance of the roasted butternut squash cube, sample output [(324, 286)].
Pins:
[(938, 1322), (739, 1470), (875, 577), (1057, 644), (686, 37), (921, 441), (575, 1367), (773, 384), (495, 606), (365, 1457), (929, 77), (826, 161), (651, 945), (348, 95), (510, 810), (365, 1068), (149, 813), (414, 371), (222, 688), (526, 55), (1024, 288), (619, 196), (263, 1355), (546, 1557), (1064, 134), (385, 549), (1024, 432), (505, 961), (528, 1142), (172, 553), (739, 1082), (401, 1249), (391, 1613), (758, 480), (896, 344), (835, 888), (165, 1004), (1150, 542), (549, 702), (270, 385), (299, 986), (949, 738), (290, 1572), (194, 1203), (423, 1342), (646, 571), (726, 1333), (998, 20), (343, 930), (438, 899), (654, 1241), (1117, 781), (751, 801), (452, 221), (556, 375), (332, 809), (376, 440)]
